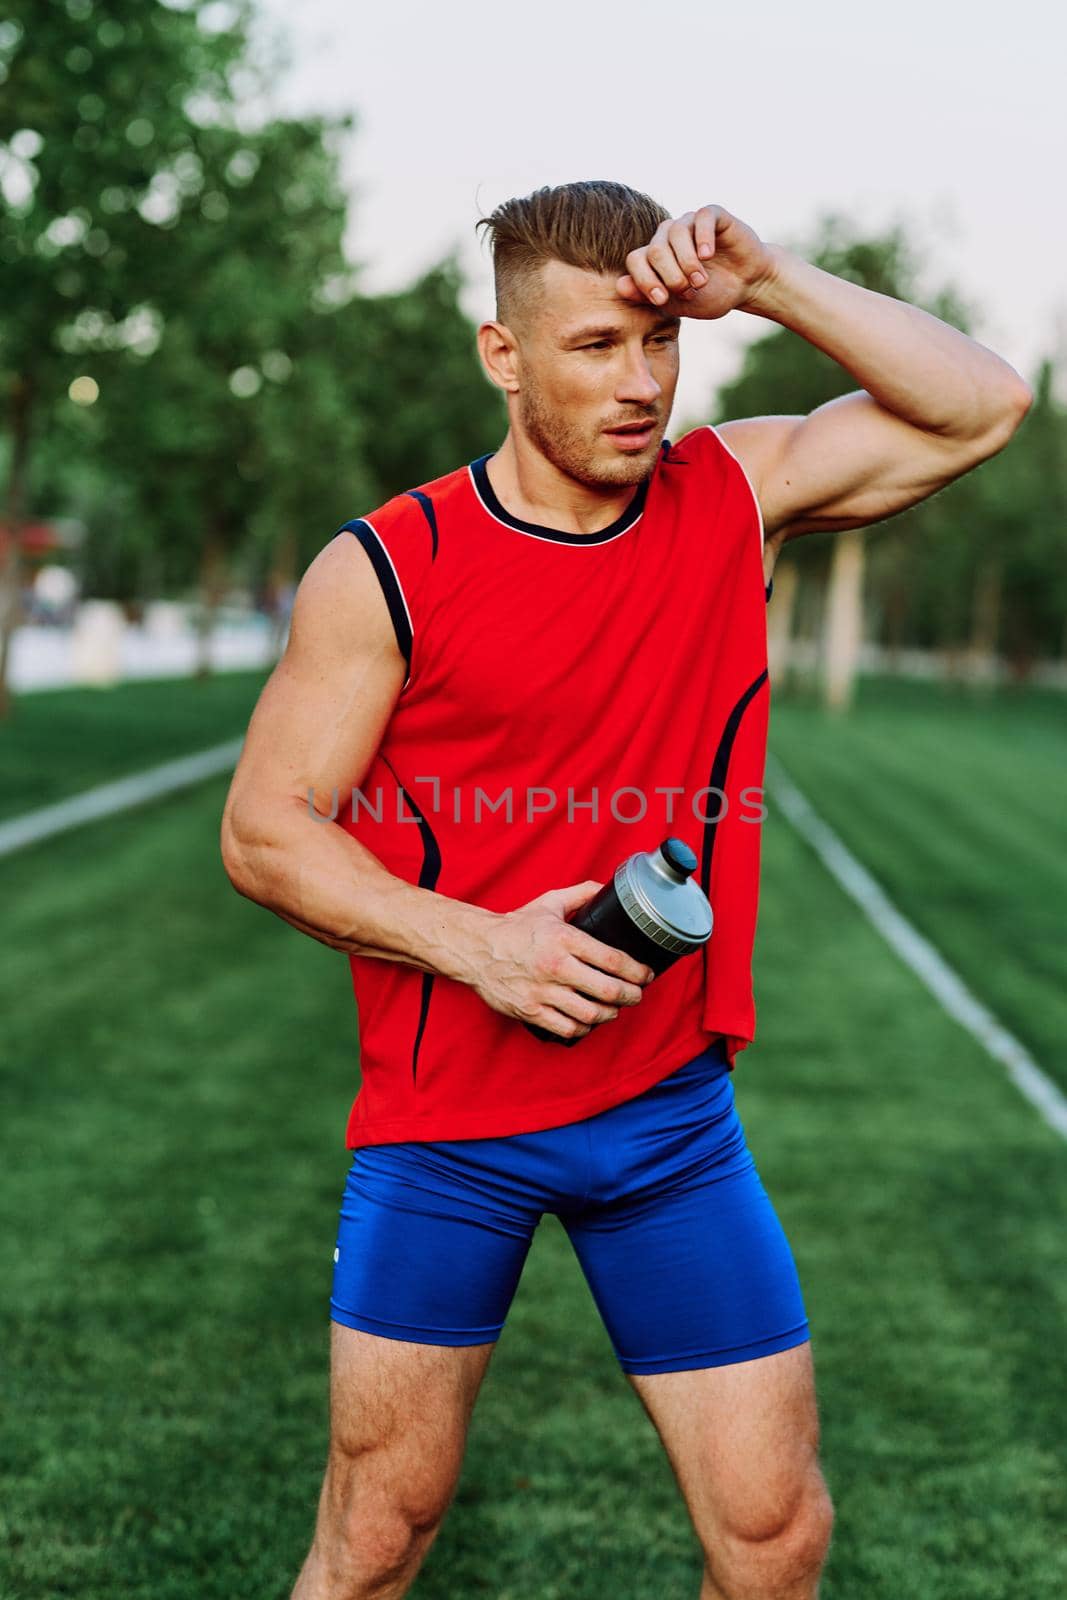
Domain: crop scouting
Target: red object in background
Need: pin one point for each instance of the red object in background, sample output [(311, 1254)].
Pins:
[(39, 538), (35, 538)]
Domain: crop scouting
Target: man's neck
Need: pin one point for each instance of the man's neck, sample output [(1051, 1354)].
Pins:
[(534, 490)]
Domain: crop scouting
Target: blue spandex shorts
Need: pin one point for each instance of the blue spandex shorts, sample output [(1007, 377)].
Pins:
[(679, 1243)]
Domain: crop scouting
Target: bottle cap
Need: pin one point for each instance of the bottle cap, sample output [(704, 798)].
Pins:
[(657, 891)]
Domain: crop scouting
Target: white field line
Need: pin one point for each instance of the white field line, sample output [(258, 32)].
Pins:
[(121, 795), (919, 954)]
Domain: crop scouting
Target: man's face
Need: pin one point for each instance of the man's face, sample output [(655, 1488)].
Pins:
[(591, 363)]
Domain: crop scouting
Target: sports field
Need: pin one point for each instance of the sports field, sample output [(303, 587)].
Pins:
[(178, 1065)]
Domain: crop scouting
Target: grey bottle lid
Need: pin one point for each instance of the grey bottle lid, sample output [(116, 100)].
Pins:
[(657, 892)]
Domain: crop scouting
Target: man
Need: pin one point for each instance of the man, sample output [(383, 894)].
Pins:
[(516, 676)]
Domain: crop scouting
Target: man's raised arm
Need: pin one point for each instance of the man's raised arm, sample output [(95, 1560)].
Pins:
[(934, 402)]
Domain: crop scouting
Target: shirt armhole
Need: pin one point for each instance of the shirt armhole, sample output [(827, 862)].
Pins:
[(748, 480), (400, 539), (363, 529)]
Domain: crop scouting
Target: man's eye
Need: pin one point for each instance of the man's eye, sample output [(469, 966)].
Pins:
[(601, 344)]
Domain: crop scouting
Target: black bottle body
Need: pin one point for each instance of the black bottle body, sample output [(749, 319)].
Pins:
[(606, 919)]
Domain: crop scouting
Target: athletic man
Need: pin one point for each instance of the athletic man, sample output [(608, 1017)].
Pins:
[(496, 687)]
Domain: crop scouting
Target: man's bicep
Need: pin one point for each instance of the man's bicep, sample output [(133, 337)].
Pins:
[(322, 714), (848, 463)]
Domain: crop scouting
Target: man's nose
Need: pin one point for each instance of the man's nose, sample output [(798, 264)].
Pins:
[(637, 382)]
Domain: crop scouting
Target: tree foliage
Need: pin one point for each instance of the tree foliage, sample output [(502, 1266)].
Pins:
[(190, 366), (234, 395)]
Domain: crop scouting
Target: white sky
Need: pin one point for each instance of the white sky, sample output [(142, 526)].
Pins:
[(948, 115)]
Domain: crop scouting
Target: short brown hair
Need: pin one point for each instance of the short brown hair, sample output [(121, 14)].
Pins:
[(594, 224)]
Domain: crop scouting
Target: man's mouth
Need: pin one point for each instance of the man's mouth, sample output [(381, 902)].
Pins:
[(632, 435)]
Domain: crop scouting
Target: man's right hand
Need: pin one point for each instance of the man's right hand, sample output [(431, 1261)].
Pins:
[(532, 964)]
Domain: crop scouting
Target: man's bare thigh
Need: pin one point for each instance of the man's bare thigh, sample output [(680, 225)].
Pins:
[(385, 1391), (403, 1407), (742, 1439)]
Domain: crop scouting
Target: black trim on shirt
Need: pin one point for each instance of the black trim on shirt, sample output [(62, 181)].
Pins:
[(538, 529), (719, 768), (429, 873), (394, 598), (717, 783), (429, 513)]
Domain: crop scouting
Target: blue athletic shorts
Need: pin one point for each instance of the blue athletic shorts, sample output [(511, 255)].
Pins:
[(679, 1243)]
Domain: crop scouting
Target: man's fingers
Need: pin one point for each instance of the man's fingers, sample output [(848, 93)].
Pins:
[(683, 244), (593, 952), (648, 282), (579, 1007), (664, 260), (673, 262), (704, 224), (597, 984)]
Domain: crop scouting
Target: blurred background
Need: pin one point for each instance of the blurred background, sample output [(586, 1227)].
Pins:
[(240, 283)]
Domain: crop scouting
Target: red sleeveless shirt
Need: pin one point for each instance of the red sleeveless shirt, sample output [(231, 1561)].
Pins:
[(569, 699)]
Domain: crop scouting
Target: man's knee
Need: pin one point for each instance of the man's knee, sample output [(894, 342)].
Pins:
[(381, 1545), (772, 1549), (399, 1491), (364, 1558), (382, 1508)]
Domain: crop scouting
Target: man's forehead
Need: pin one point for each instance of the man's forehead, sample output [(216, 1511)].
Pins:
[(573, 298)]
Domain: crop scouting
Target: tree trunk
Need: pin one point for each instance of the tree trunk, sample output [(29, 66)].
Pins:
[(951, 653), (212, 586), (20, 411), (896, 613), (282, 579), (780, 612), (985, 620), (844, 619)]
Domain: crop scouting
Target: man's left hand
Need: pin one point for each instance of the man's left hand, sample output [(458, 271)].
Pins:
[(701, 264)]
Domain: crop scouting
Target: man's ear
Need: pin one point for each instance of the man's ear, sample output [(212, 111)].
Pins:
[(499, 352)]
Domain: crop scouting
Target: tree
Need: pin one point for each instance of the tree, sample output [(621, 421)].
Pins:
[(384, 393), (256, 267), (99, 120), (190, 329)]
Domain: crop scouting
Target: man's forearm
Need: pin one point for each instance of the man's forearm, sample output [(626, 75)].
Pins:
[(915, 365), (327, 884)]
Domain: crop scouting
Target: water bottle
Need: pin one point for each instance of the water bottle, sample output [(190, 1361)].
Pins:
[(652, 908)]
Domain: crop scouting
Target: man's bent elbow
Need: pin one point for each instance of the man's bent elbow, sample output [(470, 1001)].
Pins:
[(236, 859), (1021, 399), (1016, 405), (233, 861)]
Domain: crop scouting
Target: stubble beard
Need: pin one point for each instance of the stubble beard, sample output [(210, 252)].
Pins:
[(570, 451)]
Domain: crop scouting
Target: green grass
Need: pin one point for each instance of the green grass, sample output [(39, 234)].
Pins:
[(955, 801), (60, 741), (179, 1066)]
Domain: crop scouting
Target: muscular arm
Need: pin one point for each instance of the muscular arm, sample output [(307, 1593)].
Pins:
[(934, 402), (316, 727), (919, 369)]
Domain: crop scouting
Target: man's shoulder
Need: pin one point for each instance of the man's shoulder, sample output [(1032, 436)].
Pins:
[(697, 458), (413, 509), (441, 488), (699, 444)]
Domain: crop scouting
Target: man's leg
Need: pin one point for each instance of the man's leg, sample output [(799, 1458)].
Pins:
[(399, 1414), (742, 1440), (431, 1244), (695, 1279)]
